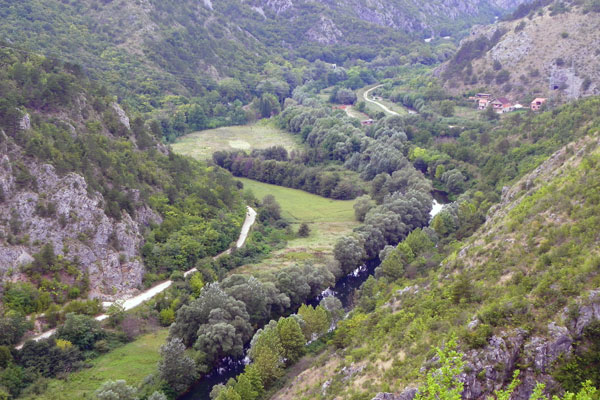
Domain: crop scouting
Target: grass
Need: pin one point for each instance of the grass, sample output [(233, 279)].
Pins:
[(132, 362), (201, 145), (327, 219)]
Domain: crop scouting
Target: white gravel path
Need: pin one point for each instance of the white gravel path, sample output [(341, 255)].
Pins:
[(135, 301), (366, 97)]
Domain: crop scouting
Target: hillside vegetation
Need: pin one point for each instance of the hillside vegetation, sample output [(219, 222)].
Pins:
[(519, 293), (549, 51), (91, 203)]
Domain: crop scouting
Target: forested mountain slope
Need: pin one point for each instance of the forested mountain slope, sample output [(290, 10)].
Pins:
[(544, 51), (520, 293), (82, 188), (147, 49)]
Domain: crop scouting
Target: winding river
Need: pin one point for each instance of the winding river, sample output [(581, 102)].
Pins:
[(344, 289)]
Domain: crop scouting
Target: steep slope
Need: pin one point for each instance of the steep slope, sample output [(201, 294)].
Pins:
[(83, 188), (552, 52), (521, 293), (149, 48), (435, 18)]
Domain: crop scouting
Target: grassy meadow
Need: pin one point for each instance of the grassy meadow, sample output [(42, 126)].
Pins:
[(201, 145), (132, 362), (327, 219)]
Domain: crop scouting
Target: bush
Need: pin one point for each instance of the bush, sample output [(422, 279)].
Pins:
[(81, 330), (304, 230)]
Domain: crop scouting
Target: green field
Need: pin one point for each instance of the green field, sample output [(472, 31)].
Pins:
[(327, 219), (132, 362), (201, 145)]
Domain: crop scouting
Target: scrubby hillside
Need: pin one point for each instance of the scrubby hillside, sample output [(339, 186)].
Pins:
[(83, 188), (550, 52), (148, 49), (520, 293)]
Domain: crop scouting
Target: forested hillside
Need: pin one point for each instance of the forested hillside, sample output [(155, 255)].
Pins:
[(83, 188), (194, 65), (519, 293)]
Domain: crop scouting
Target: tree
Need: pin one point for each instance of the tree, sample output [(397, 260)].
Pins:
[(228, 393), (116, 390), (304, 230), (349, 252), (291, 339), (245, 388), (81, 330), (454, 180), (394, 264), (316, 321), (270, 210), (175, 367), (212, 306), (266, 353), (334, 307), (196, 283), (443, 383), (12, 328), (345, 96), (362, 205), (447, 108), (157, 396)]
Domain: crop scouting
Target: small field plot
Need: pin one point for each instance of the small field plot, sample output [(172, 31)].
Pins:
[(132, 362), (201, 145), (327, 219)]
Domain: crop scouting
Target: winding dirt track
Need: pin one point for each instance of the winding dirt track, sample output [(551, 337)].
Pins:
[(135, 301), (384, 108)]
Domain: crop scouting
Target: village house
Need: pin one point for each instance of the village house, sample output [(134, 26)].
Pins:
[(482, 104), (482, 100), (502, 105), (367, 122), (537, 103)]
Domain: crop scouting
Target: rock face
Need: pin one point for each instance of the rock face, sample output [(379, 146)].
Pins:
[(121, 114), (60, 210), (407, 394), (547, 55)]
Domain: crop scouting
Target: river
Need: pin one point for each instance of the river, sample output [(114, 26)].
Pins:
[(230, 367)]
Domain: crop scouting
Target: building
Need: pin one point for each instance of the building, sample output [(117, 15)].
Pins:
[(502, 105), (482, 104), (367, 122), (537, 103)]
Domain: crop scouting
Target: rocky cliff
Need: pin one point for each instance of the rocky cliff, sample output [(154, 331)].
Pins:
[(550, 53), (40, 207)]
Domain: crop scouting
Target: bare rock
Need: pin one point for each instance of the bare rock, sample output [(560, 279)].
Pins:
[(407, 394), (25, 123), (121, 114)]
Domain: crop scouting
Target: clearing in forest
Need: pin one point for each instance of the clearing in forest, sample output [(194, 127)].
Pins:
[(201, 145), (327, 219)]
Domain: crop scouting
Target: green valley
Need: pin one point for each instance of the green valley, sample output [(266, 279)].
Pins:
[(290, 199)]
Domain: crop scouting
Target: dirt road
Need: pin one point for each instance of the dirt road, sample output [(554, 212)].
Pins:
[(135, 301)]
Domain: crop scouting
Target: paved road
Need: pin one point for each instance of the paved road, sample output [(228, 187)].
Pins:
[(384, 108), (153, 291)]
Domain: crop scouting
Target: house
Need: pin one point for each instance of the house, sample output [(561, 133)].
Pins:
[(502, 105), (482, 104), (367, 122), (479, 96), (537, 103)]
